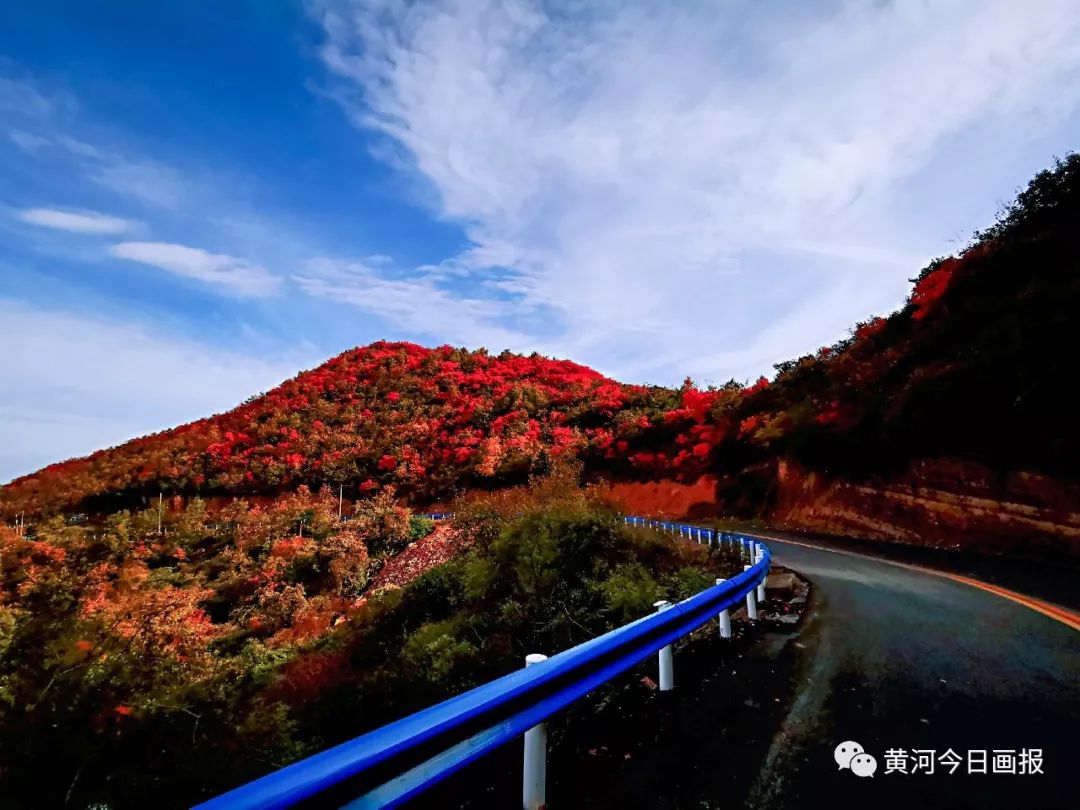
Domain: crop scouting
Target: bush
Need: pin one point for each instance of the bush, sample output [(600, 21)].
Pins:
[(420, 527)]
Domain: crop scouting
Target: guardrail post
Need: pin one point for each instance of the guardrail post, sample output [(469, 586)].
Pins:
[(751, 600), (534, 772), (761, 585), (725, 618), (666, 659)]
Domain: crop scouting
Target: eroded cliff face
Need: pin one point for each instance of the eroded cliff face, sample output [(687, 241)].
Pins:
[(937, 502), (664, 498), (942, 503)]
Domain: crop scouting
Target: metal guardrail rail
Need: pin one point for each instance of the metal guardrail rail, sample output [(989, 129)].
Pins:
[(392, 764)]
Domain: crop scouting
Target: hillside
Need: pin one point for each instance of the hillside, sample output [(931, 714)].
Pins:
[(949, 422), (423, 419), (967, 380), (428, 421)]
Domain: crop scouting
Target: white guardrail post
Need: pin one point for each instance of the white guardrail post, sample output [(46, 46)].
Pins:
[(761, 585), (666, 659), (725, 617), (534, 772), (751, 601)]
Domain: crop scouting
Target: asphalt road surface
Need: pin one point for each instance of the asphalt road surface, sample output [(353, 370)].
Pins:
[(898, 659)]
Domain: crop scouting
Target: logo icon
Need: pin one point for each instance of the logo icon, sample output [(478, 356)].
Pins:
[(851, 755)]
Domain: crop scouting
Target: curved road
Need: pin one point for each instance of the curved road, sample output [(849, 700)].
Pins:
[(887, 655), (897, 658)]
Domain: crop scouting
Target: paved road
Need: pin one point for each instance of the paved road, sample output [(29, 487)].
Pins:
[(899, 659), (887, 656)]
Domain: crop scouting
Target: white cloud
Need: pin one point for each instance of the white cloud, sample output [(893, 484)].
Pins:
[(107, 381), (47, 116), (25, 99), (27, 141), (235, 275), (145, 180), (674, 182), (76, 222), (413, 304)]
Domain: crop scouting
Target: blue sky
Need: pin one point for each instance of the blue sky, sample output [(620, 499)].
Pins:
[(199, 199)]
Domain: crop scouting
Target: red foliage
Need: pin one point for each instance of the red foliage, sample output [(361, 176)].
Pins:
[(760, 385), (427, 421), (930, 289), (697, 404), (291, 547), (389, 413), (305, 676), (750, 424), (865, 331), (829, 414)]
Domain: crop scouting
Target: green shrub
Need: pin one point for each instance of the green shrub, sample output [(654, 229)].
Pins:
[(420, 527), (629, 592)]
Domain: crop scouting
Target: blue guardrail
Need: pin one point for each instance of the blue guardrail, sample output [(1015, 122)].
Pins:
[(390, 765)]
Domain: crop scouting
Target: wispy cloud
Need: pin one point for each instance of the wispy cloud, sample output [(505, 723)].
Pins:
[(178, 195), (237, 276), (76, 222), (415, 303), (46, 119), (27, 141), (664, 177), (148, 181), (24, 98)]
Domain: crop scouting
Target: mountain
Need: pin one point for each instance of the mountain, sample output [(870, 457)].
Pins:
[(962, 391), (428, 421)]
